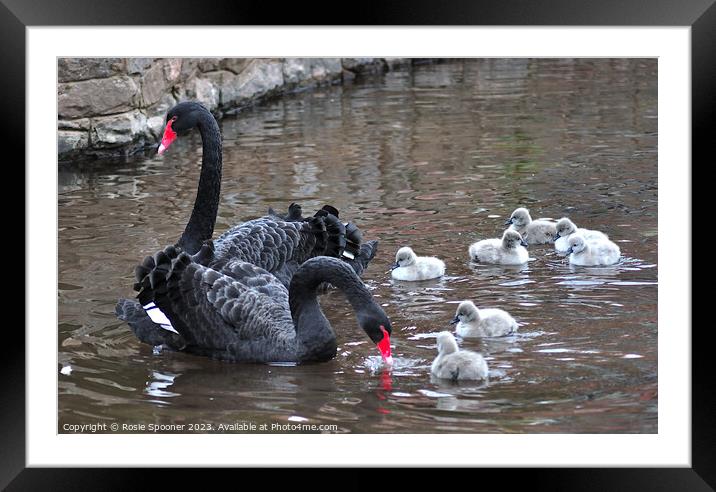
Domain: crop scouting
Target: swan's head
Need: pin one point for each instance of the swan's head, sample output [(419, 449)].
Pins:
[(404, 257), (519, 218), (564, 227), (180, 120), (446, 343), (577, 244), (511, 239), (376, 325), (466, 312)]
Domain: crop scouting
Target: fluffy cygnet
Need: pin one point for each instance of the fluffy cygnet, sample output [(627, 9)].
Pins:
[(565, 228), (540, 231), (409, 266), (592, 252), (486, 322), (510, 250), (453, 363)]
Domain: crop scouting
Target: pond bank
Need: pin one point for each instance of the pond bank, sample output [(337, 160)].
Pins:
[(116, 106)]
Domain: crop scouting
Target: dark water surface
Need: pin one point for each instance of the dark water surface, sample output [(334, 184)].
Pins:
[(435, 157)]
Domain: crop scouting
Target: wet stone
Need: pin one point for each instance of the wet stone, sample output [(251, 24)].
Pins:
[(69, 140)]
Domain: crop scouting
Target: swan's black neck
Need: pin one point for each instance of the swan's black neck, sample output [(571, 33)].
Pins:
[(203, 217), (315, 336)]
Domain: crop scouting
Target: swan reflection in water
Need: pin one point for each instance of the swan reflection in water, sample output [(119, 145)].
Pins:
[(158, 383), (279, 392), (488, 270)]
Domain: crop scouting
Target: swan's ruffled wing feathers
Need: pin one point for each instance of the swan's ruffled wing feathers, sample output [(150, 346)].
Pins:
[(294, 213), (278, 247), (332, 242), (366, 254), (222, 316), (242, 306), (257, 279)]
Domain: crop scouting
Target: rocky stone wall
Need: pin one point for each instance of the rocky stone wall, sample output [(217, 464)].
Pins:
[(117, 105)]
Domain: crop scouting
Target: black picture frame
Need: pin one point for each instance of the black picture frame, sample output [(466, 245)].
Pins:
[(16, 15)]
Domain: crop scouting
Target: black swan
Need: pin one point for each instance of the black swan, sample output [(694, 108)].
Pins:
[(270, 242), (250, 316), (276, 245)]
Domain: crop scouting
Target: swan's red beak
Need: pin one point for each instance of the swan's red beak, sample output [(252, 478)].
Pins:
[(384, 346), (168, 138)]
